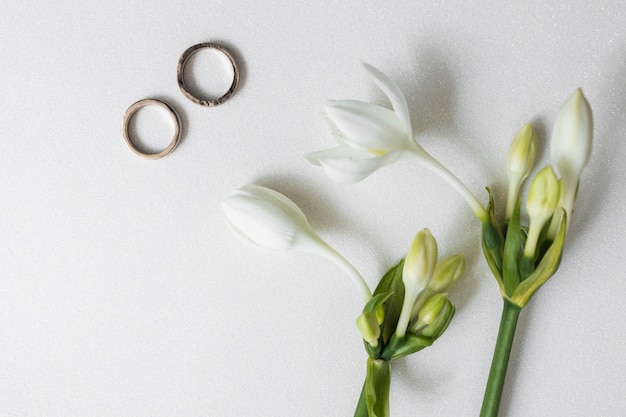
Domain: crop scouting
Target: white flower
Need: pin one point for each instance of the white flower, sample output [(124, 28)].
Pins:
[(370, 137), (268, 219), (571, 144)]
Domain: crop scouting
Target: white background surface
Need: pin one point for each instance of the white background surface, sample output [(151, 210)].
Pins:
[(124, 293)]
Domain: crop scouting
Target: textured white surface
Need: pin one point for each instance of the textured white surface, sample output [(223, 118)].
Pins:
[(124, 293)]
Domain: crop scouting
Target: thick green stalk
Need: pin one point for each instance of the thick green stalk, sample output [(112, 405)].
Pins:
[(500, 361)]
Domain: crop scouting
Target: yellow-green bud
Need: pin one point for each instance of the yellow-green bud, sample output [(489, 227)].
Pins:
[(543, 198), (368, 326), (419, 267), (433, 315), (447, 273), (420, 262), (520, 163), (432, 308)]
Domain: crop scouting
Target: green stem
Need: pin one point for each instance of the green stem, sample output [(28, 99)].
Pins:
[(374, 399), (499, 364)]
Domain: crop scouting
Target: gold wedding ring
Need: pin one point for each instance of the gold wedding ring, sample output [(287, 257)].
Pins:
[(180, 72), (126, 134)]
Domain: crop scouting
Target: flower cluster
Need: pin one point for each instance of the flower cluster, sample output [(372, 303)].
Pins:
[(522, 258), (409, 309)]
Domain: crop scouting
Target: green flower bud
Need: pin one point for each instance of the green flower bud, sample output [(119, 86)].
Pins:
[(420, 262), (418, 270), (432, 308), (447, 273), (543, 200), (434, 316), (543, 196), (520, 163), (368, 326)]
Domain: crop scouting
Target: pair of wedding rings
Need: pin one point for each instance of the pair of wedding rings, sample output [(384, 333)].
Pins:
[(182, 84)]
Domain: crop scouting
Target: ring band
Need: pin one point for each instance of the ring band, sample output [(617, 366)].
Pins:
[(126, 134), (180, 72)]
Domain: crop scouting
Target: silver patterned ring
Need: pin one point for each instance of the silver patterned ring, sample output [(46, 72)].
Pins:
[(126, 134), (180, 73)]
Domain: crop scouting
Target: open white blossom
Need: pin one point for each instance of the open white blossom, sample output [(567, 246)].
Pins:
[(370, 137)]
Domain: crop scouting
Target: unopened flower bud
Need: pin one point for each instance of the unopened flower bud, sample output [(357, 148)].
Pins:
[(432, 308), (543, 198), (570, 146), (447, 273), (420, 262), (268, 219), (520, 163), (368, 326), (419, 267), (434, 316)]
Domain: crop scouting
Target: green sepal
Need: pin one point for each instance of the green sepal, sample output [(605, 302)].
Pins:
[(492, 255), (377, 384), (409, 344), (391, 282), (372, 352), (546, 268), (376, 301), (492, 242), (512, 247)]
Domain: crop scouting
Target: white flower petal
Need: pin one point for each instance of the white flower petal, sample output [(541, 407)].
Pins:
[(268, 219), (348, 164), (260, 223), (393, 92), (570, 145), (368, 126), (282, 203)]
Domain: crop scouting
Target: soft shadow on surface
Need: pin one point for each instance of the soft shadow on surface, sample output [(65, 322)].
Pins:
[(598, 183), (322, 212), (429, 89)]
